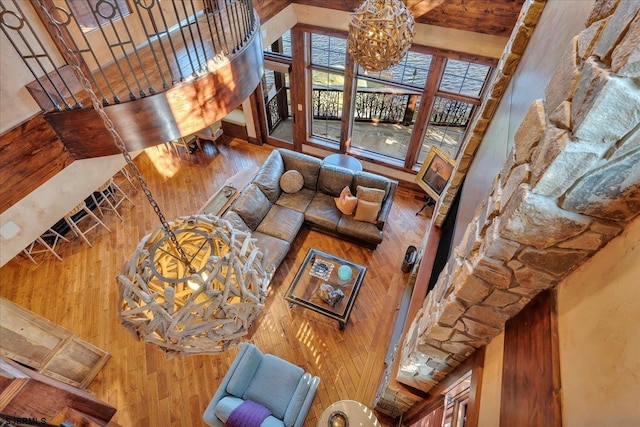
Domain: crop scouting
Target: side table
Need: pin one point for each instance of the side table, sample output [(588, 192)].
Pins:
[(344, 161), (357, 413)]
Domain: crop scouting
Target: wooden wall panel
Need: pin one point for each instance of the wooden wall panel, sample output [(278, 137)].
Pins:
[(42, 397), (30, 154), (531, 366), (496, 17), (268, 8)]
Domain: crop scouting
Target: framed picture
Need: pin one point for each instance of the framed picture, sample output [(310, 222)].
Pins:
[(435, 172)]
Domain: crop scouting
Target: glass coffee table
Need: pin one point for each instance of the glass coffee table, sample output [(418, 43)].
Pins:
[(327, 285)]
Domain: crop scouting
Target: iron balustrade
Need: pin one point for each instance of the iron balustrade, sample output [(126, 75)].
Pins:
[(372, 105), (277, 109), (187, 38)]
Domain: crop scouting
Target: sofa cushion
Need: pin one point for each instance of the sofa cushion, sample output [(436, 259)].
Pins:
[(322, 211), (268, 176), (273, 249), (227, 404), (370, 194), (252, 206), (291, 181), (244, 372), (273, 384), (368, 179), (298, 201), (236, 221), (365, 231), (367, 211), (307, 165), (283, 223), (333, 179), (346, 203)]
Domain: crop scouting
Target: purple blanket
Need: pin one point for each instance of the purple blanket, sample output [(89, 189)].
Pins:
[(248, 414)]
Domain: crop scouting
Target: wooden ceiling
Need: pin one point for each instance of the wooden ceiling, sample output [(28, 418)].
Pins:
[(494, 17)]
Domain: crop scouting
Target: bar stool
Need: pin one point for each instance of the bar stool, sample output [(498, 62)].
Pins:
[(186, 143), (209, 134), (111, 195), (83, 213), (46, 242), (128, 176)]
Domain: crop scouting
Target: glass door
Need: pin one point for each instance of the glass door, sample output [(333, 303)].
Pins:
[(277, 101)]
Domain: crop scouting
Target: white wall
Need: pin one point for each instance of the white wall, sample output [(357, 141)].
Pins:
[(599, 333), (16, 104), (559, 23)]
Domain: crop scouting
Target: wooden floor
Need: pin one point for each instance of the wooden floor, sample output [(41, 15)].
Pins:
[(80, 293)]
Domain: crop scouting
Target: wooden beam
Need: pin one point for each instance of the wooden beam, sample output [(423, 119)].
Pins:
[(531, 393)]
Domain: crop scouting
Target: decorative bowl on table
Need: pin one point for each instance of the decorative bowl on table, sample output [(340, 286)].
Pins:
[(338, 419)]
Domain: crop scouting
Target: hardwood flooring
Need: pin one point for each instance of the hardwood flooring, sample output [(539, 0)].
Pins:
[(80, 293)]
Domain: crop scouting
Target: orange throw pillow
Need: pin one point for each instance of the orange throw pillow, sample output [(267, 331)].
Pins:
[(346, 203)]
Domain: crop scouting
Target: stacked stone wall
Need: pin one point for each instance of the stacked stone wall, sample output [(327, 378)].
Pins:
[(570, 185)]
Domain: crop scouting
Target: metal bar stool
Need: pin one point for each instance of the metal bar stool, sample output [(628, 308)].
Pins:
[(83, 213), (44, 243), (111, 195)]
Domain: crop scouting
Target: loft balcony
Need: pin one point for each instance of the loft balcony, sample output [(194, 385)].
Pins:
[(161, 70)]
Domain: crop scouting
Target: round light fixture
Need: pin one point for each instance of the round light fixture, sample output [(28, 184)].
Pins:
[(380, 33)]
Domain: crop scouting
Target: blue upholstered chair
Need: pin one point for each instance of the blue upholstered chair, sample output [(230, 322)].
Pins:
[(282, 387)]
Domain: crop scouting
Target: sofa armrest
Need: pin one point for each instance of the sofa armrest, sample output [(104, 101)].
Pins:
[(385, 209), (209, 415), (306, 404)]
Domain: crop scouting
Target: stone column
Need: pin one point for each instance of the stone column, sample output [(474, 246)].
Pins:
[(570, 184)]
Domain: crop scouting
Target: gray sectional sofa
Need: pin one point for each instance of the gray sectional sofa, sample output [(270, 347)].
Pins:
[(274, 217)]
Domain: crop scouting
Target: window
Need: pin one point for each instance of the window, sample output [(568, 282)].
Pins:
[(328, 59), (282, 46), (94, 13), (389, 100), (386, 106), (464, 78), (327, 99), (328, 51), (447, 126)]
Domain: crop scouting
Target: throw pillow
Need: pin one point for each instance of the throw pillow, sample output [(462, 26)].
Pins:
[(370, 194), (291, 181), (346, 203), (367, 211)]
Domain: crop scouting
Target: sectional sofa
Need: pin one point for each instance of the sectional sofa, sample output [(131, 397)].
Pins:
[(312, 198)]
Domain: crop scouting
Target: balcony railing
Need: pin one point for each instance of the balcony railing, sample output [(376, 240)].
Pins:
[(372, 105), (133, 53)]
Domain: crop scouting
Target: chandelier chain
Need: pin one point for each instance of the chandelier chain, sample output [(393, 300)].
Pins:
[(73, 60)]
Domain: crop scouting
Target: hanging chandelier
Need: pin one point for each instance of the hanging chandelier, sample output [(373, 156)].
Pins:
[(380, 33), (202, 307), (192, 286)]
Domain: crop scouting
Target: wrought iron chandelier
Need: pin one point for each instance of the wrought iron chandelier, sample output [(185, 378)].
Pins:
[(380, 33), (192, 286)]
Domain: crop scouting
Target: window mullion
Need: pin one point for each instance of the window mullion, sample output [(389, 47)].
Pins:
[(424, 112), (348, 104)]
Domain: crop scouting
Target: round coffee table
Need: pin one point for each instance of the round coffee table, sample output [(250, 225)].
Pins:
[(344, 161), (357, 414)]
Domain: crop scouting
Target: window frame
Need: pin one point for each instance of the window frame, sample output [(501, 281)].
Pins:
[(302, 91)]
